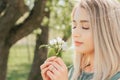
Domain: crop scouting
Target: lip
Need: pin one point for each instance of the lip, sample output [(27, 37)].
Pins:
[(77, 43)]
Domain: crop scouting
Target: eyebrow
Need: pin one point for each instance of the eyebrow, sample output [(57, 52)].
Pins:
[(81, 21)]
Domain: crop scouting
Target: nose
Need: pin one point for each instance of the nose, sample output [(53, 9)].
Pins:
[(76, 32)]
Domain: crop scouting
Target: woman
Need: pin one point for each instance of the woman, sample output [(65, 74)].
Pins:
[(96, 37)]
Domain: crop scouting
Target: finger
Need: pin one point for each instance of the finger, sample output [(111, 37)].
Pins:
[(53, 69), (45, 65), (44, 70), (51, 59), (60, 62), (50, 74), (57, 66)]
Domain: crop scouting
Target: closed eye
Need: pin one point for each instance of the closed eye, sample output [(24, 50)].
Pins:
[(74, 27), (82, 28), (85, 28)]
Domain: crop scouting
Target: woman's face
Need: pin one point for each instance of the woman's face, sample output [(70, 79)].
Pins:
[(82, 32)]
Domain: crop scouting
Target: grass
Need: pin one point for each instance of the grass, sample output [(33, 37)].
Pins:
[(19, 72), (20, 61)]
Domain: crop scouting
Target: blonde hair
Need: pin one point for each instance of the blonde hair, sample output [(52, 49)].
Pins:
[(105, 22)]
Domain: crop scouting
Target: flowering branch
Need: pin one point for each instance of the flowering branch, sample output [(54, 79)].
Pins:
[(57, 44)]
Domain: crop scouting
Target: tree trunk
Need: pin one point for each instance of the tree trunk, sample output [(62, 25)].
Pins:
[(4, 50), (40, 54), (10, 33)]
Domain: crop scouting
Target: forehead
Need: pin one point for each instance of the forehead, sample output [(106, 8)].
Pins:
[(80, 14)]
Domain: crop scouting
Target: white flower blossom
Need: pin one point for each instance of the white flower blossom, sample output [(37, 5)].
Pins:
[(58, 45), (59, 40), (51, 42), (64, 46)]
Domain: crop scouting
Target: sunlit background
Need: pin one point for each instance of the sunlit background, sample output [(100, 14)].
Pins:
[(59, 23)]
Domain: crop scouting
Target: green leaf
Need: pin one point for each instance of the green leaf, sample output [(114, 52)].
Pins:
[(59, 54), (51, 52)]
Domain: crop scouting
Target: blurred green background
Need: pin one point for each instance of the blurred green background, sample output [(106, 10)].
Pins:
[(32, 23), (22, 54)]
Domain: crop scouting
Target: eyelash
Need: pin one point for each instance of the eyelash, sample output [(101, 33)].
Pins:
[(82, 28), (85, 28)]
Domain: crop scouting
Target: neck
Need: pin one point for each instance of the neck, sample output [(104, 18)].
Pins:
[(87, 62)]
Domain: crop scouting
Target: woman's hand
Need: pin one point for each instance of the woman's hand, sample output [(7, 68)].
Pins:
[(54, 69), (44, 68), (58, 70)]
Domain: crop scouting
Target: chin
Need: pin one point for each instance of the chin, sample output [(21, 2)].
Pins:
[(79, 51)]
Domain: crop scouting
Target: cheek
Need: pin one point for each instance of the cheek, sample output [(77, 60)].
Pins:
[(89, 43)]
